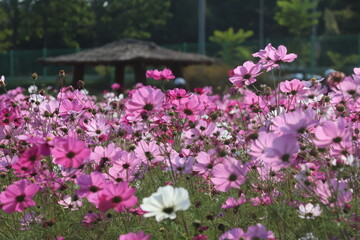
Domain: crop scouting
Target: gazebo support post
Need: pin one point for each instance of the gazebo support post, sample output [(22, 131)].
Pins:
[(177, 70), (140, 73), (78, 74), (120, 74)]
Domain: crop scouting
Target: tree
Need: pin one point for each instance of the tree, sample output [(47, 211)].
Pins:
[(61, 21), (297, 15), (128, 18), (5, 33), (230, 42)]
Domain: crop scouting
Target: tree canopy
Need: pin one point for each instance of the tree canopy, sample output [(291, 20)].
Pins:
[(90, 23)]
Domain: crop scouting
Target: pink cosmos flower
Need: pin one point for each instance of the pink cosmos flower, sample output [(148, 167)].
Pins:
[(293, 87), (295, 123), (200, 237), (229, 174), (246, 73), (118, 174), (148, 152), (68, 107), (233, 234), (105, 156), (30, 218), (119, 197), (70, 152), (68, 202), (258, 232), (280, 55), (332, 132), (259, 145), (115, 86), (189, 107), (181, 164), (348, 87), (335, 194), (90, 185), (6, 162), (231, 202), (145, 99), (357, 71), (177, 94), (202, 129), (271, 57), (205, 162), (165, 74), (18, 196), (282, 152), (97, 127), (135, 236), (91, 219), (128, 162)]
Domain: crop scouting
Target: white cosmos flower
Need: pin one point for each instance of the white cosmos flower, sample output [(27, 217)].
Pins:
[(309, 211), (165, 202)]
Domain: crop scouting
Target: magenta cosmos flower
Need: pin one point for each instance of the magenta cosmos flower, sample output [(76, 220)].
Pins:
[(145, 99), (18, 196), (135, 236), (70, 153), (119, 197), (246, 73)]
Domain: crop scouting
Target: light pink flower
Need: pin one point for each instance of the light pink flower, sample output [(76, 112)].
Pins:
[(293, 87), (246, 73), (135, 236), (258, 232), (90, 185), (309, 211), (165, 74), (335, 194), (233, 234), (332, 133), (145, 99), (229, 174), (231, 202), (282, 152)]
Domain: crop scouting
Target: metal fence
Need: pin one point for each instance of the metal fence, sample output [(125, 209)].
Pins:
[(315, 55)]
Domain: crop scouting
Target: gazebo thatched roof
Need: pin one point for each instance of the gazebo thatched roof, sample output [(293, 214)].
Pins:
[(129, 51)]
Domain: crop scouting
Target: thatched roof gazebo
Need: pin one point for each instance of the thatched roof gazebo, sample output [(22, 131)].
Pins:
[(136, 53)]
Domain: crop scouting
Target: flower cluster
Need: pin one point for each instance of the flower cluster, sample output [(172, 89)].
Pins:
[(251, 159)]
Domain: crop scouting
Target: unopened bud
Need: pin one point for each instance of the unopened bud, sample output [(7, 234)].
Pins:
[(70, 88), (34, 76), (80, 83), (62, 74)]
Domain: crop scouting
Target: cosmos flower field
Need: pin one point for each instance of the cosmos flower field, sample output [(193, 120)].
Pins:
[(260, 162)]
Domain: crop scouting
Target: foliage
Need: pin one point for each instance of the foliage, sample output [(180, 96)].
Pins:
[(232, 52), (297, 15), (204, 75), (4, 32), (339, 61)]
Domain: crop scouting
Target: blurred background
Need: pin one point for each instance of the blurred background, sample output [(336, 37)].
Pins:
[(324, 33)]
